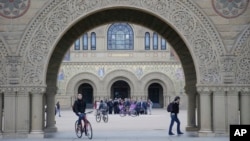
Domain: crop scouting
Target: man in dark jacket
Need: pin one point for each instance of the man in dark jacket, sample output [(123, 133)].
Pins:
[(80, 106), (174, 118)]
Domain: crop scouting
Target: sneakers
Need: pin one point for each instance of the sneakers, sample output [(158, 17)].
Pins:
[(170, 133), (179, 133)]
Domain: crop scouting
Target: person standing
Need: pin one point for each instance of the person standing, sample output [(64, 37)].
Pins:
[(174, 118), (58, 108), (150, 106), (110, 106)]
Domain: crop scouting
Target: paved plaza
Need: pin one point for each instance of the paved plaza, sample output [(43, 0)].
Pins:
[(143, 128)]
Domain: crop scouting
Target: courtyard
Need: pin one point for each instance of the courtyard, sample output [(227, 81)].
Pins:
[(144, 127)]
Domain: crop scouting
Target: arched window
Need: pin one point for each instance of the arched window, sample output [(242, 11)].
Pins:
[(93, 41), (77, 44), (163, 44), (147, 41), (120, 37), (155, 41), (85, 41)]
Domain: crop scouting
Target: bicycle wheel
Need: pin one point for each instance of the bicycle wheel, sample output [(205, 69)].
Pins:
[(98, 117), (133, 113), (105, 118), (78, 129), (88, 130), (122, 113)]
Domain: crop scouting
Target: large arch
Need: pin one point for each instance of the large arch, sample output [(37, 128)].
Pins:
[(198, 44), (56, 27), (240, 67)]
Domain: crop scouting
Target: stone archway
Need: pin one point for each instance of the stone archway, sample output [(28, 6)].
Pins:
[(77, 80), (155, 94), (55, 28), (86, 90), (120, 89), (166, 83), (120, 75)]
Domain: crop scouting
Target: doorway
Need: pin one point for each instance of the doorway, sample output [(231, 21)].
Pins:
[(155, 94), (87, 91), (120, 89)]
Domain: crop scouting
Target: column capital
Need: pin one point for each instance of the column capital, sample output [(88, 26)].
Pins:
[(204, 90), (37, 90), (22, 89)]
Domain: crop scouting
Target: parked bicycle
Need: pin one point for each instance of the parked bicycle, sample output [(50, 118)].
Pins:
[(85, 127), (128, 111), (102, 115)]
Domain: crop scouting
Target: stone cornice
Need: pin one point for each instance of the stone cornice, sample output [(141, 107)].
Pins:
[(23, 89), (122, 63), (231, 87)]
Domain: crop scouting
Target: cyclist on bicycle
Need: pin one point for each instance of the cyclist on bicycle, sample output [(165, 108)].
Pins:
[(103, 107), (79, 107)]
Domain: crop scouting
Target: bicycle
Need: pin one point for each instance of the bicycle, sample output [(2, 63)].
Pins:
[(87, 128), (131, 112), (102, 114)]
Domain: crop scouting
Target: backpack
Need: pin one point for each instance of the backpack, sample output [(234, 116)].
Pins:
[(170, 107)]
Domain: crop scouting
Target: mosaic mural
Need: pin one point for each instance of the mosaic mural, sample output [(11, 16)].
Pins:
[(13, 8), (230, 8)]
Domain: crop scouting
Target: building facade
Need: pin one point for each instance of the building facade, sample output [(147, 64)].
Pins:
[(120, 60), (211, 38)]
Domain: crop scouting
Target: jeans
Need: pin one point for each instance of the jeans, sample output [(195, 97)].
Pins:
[(81, 116), (174, 118)]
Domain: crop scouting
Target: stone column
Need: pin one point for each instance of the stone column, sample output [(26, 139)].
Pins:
[(37, 113), (23, 112), (1, 112), (191, 114), (205, 112), (9, 116), (244, 107), (50, 114), (219, 111), (232, 107)]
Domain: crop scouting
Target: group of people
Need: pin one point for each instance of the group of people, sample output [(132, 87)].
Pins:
[(114, 106), (80, 106)]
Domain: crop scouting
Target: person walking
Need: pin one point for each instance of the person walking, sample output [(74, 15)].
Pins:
[(58, 108), (174, 118)]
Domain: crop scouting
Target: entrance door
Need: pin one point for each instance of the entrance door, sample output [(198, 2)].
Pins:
[(155, 94), (120, 89), (87, 91)]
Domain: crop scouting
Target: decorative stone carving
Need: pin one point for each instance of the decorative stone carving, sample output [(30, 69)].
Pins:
[(242, 51), (230, 8), (13, 8), (204, 90), (3, 53), (13, 69), (58, 15), (184, 21), (229, 68), (37, 90)]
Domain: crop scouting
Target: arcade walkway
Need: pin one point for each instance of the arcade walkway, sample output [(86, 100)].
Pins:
[(143, 128)]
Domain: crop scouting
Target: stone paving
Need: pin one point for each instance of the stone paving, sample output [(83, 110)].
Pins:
[(145, 127)]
